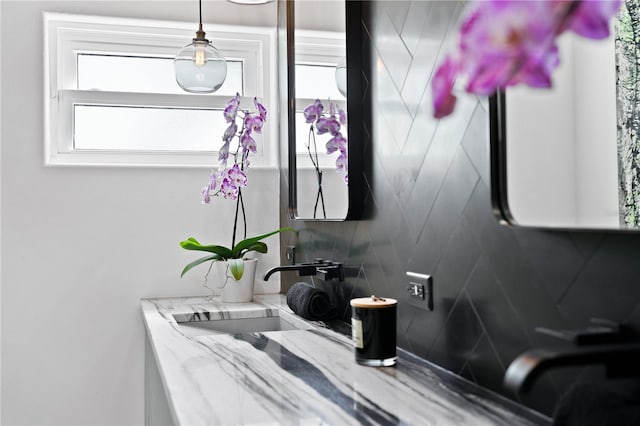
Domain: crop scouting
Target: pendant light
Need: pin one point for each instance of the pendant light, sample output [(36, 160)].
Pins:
[(250, 2), (199, 67), (341, 76)]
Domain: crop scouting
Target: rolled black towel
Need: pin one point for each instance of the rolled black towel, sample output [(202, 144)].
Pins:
[(310, 303)]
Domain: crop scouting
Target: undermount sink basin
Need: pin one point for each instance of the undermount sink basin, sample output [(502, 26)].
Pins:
[(240, 325)]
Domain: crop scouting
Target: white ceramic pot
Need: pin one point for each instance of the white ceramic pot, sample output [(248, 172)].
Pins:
[(242, 290)]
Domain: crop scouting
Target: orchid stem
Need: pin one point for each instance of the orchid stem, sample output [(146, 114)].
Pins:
[(312, 135), (239, 206), (324, 213), (244, 216), (316, 165), (319, 197), (235, 220)]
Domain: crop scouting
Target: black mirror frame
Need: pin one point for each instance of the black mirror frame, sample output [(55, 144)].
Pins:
[(355, 42), (498, 158)]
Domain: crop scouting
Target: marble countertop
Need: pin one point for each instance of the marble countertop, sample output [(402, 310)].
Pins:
[(305, 376)]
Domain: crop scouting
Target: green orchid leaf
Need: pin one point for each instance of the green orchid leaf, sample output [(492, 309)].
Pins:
[(243, 246), (192, 244), (236, 267), (198, 262), (260, 247)]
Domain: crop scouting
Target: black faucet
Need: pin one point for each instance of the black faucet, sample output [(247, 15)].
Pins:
[(303, 269), (325, 268), (612, 345), (620, 361)]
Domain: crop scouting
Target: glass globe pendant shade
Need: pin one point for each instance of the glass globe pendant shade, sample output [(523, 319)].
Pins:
[(199, 67), (250, 2), (341, 76)]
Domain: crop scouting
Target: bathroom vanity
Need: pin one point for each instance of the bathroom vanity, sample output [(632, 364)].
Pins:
[(258, 363)]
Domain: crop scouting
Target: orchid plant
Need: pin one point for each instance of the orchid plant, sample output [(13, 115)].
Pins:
[(323, 122), (227, 182), (503, 43)]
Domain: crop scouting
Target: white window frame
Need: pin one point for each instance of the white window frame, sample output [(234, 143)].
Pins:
[(318, 48), (66, 36)]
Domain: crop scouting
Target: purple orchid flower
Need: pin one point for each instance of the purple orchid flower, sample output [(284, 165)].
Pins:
[(313, 112), (230, 132), (336, 143), (442, 87), (213, 181), (262, 111), (223, 154), (330, 125), (342, 116), (206, 199), (332, 109), (227, 182), (253, 123), (228, 189), (231, 109), (507, 42), (247, 142), (341, 162), (237, 176), (590, 19)]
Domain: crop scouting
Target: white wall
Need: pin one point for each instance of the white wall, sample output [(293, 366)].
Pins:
[(597, 168), (540, 151), (562, 164), (81, 246), (334, 190)]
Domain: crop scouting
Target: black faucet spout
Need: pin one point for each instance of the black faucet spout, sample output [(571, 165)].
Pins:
[(302, 268), (621, 360)]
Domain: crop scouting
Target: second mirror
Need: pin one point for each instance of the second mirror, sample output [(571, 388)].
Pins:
[(321, 140)]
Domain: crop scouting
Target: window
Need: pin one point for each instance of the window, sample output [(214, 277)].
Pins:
[(111, 96), (317, 54)]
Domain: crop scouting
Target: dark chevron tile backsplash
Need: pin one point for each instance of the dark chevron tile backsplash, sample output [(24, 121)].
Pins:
[(430, 212)]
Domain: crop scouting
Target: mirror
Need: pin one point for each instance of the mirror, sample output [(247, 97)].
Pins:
[(323, 109), (568, 157)]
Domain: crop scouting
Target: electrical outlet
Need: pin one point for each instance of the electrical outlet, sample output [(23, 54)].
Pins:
[(420, 290), (290, 253)]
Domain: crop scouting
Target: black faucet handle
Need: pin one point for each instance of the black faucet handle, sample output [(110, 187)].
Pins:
[(331, 271), (603, 322), (307, 270), (601, 332)]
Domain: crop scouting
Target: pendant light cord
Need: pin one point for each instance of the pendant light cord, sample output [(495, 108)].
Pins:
[(200, 34)]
